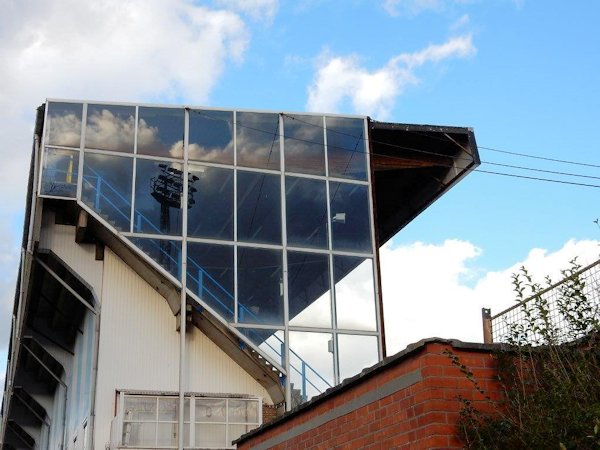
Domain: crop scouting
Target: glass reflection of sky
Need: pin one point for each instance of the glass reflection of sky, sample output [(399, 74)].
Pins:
[(304, 144), (64, 124), (346, 148), (211, 136), (165, 252), (310, 356), (306, 212), (60, 172), (257, 140), (354, 293), (160, 132), (110, 127), (355, 353), (351, 229), (308, 285), (259, 207)]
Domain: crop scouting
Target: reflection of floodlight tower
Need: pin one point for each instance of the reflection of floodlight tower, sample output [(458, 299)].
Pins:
[(167, 189)]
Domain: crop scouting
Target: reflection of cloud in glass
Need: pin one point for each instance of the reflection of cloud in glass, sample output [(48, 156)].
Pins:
[(257, 140), (160, 132), (318, 313), (356, 353), (355, 295), (304, 144), (65, 130), (313, 350), (110, 128), (211, 136)]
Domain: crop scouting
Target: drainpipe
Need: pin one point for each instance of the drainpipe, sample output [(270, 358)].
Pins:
[(92, 419)]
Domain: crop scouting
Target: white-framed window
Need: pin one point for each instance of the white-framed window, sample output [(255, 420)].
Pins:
[(150, 421)]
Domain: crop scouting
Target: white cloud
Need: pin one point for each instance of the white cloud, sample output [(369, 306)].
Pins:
[(342, 79), (257, 9), (430, 290), (414, 7), (461, 22)]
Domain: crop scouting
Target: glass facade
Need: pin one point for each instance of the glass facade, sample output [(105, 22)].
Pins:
[(273, 211)]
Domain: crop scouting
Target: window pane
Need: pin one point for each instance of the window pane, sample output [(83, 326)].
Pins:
[(106, 187), (269, 341), (235, 431), (260, 286), (210, 213), (210, 276), (350, 217), (167, 435), (168, 409), (160, 132), (210, 410), (259, 207), (140, 408), (211, 436), (139, 434), (308, 285), (306, 212), (356, 353), (110, 127), (311, 364), (257, 140), (304, 146), (243, 411), (211, 136), (64, 124), (165, 252), (60, 172), (346, 153), (354, 293), (158, 189)]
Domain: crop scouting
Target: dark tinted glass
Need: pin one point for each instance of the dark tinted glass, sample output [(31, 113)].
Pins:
[(259, 207), (260, 286), (158, 190), (165, 252), (350, 220), (308, 286), (60, 171), (346, 148), (211, 136), (64, 124), (210, 276), (306, 211), (160, 132), (257, 140), (106, 187), (110, 127), (304, 144), (354, 293), (210, 214)]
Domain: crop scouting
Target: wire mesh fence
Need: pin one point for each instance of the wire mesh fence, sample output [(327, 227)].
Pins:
[(559, 313)]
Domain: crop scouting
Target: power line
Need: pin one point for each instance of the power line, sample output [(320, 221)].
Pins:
[(536, 178), (525, 155)]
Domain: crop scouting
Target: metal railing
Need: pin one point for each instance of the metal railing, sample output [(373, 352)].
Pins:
[(552, 313)]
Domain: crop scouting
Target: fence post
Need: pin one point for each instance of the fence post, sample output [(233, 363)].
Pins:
[(486, 318)]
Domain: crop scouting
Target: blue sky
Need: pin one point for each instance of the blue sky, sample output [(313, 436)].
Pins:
[(522, 73)]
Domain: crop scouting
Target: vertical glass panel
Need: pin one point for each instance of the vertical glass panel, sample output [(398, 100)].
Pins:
[(356, 353), (165, 252), (210, 409), (306, 212), (139, 434), (308, 285), (269, 341), (259, 207), (350, 217), (168, 409), (257, 140), (210, 211), (211, 436), (158, 192), (304, 145), (110, 127), (311, 364), (160, 132), (242, 411), (64, 124), (166, 435), (211, 136), (60, 172), (140, 408), (354, 293), (346, 154), (235, 431), (106, 187), (210, 276), (260, 286)]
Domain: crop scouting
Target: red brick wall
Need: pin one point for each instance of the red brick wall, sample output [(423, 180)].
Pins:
[(421, 414)]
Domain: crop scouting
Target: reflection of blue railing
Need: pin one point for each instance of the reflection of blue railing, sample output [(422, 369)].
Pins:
[(101, 187)]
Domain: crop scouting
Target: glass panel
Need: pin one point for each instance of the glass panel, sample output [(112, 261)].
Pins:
[(311, 364), (210, 276), (211, 136), (259, 207), (211, 436), (269, 341), (210, 212), (64, 124), (158, 189), (354, 293), (350, 218), (139, 434), (304, 145), (346, 153), (235, 431), (260, 286), (167, 435), (60, 172), (210, 410), (110, 127), (106, 187), (168, 409), (165, 252), (356, 353), (160, 132), (306, 212), (140, 408), (243, 411), (308, 285), (257, 140)]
